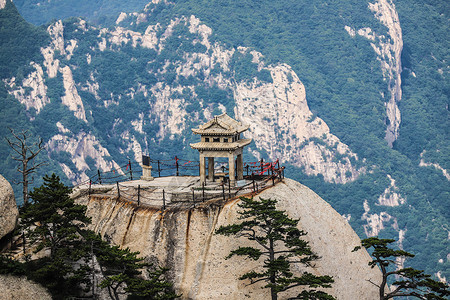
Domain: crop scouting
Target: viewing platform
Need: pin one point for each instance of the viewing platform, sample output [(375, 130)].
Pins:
[(175, 191), (220, 174)]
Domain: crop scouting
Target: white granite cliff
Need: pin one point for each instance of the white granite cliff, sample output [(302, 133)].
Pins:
[(184, 240), (278, 110), (8, 208)]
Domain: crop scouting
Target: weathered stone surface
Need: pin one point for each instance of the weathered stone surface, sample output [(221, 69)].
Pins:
[(19, 288), (184, 241), (8, 208)]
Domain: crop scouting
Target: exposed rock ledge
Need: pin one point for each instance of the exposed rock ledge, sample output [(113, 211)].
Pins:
[(18, 288), (183, 240), (8, 208)]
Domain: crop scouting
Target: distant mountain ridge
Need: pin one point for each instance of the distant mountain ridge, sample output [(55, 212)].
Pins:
[(329, 109)]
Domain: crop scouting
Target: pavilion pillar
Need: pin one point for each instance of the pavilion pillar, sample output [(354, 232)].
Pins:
[(202, 168), (211, 168), (231, 168), (240, 167)]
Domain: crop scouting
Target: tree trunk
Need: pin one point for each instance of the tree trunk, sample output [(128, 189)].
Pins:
[(273, 293), (383, 282), (25, 182)]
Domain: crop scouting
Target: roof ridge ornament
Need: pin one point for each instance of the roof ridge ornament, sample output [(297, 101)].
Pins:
[(226, 126)]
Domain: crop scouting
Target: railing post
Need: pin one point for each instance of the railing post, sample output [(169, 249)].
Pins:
[(118, 190), (176, 163), (256, 187), (99, 177), (131, 171), (253, 178), (203, 191), (159, 170), (90, 184), (262, 166), (229, 189), (223, 191), (164, 200), (247, 166), (273, 180), (139, 195)]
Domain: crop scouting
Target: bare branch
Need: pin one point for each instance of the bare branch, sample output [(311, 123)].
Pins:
[(26, 153), (255, 281), (373, 283)]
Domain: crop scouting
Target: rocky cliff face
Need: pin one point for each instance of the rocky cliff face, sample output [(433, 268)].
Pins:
[(184, 240), (13, 287), (8, 208), (388, 47), (276, 107), (269, 107)]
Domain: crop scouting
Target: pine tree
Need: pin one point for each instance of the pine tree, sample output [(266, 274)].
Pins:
[(53, 221), (279, 242), (122, 271), (409, 281)]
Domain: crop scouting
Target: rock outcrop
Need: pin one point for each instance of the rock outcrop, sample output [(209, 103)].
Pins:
[(2, 4), (184, 241), (390, 196), (8, 208), (18, 288), (81, 146), (278, 114)]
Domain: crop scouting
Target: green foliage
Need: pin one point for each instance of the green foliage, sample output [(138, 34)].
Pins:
[(155, 288), (13, 116), (9, 266), (122, 271), (19, 43), (279, 241), (60, 219), (244, 69), (409, 281), (53, 221), (313, 295), (98, 11)]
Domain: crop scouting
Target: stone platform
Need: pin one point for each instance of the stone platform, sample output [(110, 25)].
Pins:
[(171, 190)]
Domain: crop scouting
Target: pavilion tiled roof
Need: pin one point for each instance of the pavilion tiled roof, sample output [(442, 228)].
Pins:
[(221, 125), (221, 146)]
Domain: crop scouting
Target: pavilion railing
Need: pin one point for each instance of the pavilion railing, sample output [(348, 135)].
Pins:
[(258, 176)]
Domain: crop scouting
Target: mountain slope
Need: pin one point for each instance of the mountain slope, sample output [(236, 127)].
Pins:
[(320, 83)]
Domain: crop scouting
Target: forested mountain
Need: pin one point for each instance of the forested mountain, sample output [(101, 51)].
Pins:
[(352, 96)]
